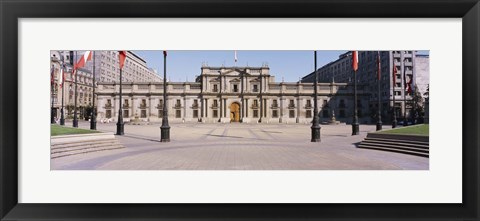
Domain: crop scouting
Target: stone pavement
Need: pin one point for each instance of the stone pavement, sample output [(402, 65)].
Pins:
[(196, 146)]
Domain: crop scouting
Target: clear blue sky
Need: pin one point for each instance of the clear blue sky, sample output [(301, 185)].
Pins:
[(290, 65)]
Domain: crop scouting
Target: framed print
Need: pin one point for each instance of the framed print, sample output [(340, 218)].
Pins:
[(239, 110)]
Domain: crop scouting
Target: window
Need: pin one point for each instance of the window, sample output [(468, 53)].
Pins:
[(255, 113), (275, 103), (291, 113), (144, 103), (291, 104), (143, 113), (215, 113), (215, 103), (308, 114), (125, 113), (255, 103), (126, 103), (215, 88), (108, 114), (178, 103), (255, 88), (235, 88), (275, 113), (195, 113), (178, 114), (109, 103), (309, 104)]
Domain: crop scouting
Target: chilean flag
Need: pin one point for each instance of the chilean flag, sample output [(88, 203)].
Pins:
[(122, 55), (83, 60), (355, 61)]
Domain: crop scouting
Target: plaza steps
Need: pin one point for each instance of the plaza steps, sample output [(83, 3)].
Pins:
[(58, 150), (397, 143)]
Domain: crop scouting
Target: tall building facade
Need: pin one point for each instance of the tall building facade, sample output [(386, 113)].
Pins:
[(231, 94), (134, 70), (409, 66)]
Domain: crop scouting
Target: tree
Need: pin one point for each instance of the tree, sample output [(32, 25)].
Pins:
[(426, 94), (418, 100)]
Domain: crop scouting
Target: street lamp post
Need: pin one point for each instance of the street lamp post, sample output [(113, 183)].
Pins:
[(315, 123), (379, 117), (355, 126), (75, 119), (120, 124), (93, 121), (52, 90), (62, 66), (165, 128), (405, 123)]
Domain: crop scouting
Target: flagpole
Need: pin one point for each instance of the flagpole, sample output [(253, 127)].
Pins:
[(62, 116), (355, 126), (75, 120), (120, 125), (379, 117), (52, 85), (93, 121), (405, 123), (165, 128), (315, 128), (394, 76)]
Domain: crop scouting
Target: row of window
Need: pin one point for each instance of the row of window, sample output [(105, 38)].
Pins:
[(275, 113)]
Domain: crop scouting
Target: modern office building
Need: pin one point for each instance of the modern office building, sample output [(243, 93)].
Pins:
[(411, 69)]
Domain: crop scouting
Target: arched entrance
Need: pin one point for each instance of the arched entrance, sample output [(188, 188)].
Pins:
[(235, 112)]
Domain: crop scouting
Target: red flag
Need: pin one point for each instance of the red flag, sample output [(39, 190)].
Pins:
[(122, 55), (355, 61), (394, 74), (378, 64), (409, 85), (52, 70), (165, 53), (83, 60)]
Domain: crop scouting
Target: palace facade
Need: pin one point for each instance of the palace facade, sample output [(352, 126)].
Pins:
[(232, 94)]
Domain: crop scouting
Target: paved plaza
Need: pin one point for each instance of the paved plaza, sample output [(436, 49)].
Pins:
[(235, 146)]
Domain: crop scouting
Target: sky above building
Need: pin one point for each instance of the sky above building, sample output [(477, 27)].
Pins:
[(289, 66)]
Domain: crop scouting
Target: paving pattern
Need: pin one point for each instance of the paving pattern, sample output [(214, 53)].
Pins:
[(196, 146)]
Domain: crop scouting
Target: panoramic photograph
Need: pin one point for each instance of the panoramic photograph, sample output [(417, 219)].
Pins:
[(239, 110)]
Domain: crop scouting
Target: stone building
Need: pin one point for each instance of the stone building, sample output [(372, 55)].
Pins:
[(84, 89), (408, 64), (231, 94)]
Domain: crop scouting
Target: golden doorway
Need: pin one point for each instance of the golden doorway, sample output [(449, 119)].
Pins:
[(234, 112)]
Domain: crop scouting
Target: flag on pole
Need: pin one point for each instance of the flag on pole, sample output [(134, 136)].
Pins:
[(355, 61), (83, 60), (409, 85), (236, 58), (52, 71), (394, 74), (378, 65), (122, 55), (61, 77)]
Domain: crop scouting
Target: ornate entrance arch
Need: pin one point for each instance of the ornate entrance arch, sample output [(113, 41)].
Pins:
[(235, 112)]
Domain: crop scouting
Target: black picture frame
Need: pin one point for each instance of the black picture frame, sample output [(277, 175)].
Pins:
[(11, 11)]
